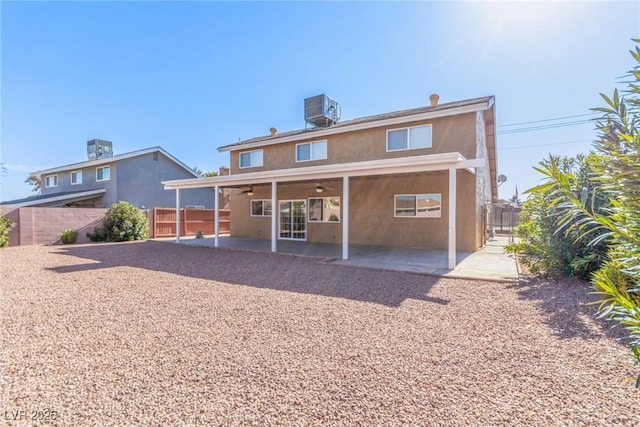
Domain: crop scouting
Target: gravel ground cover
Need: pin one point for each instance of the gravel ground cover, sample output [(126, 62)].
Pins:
[(154, 333)]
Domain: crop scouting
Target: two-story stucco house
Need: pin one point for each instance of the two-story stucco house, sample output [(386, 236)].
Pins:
[(423, 177), (105, 179)]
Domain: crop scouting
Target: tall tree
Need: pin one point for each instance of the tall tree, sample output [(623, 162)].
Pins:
[(35, 183)]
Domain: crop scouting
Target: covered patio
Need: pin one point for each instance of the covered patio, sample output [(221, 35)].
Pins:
[(449, 162), (489, 263)]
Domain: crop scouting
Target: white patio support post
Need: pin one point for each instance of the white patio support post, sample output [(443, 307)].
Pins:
[(274, 216), (452, 218), (216, 219), (177, 215), (345, 217)]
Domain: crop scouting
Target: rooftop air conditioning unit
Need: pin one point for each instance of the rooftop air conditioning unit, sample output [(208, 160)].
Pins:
[(321, 111), (98, 148)]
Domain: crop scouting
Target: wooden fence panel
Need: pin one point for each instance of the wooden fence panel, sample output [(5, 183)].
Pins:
[(191, 221)]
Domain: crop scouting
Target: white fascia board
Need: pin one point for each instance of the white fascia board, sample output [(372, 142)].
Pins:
[(58, 198), (409, 164), (472, 108)]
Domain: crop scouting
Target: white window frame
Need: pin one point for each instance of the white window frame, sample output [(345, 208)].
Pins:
[(409, 147), (103, 179), (263, 201), (200, 207), (415, 209), (251, 159), (311, 151), (55, 179), (323, 208), (71, 177)]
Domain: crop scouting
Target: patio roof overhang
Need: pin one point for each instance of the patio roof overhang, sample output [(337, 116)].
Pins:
[(450, 162), (69, 197), (410, 164)]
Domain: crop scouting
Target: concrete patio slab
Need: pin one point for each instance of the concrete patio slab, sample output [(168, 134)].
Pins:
[(489, 263)]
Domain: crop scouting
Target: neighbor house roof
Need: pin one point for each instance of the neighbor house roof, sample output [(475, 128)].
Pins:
[(64, 196), (112, 159), (442, 110)]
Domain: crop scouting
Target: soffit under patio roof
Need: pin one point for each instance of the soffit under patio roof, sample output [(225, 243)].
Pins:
[(432, 162)]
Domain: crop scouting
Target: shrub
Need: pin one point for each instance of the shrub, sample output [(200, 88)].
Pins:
[(123, 222), (616, 174), (549, 248), (5, 227), (68, 236)]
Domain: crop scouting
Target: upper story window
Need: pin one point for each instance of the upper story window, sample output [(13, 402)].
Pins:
[(76, 177), (103, 173), (418, 205), (251, 159), (409, 138), (311, 151), (51, 181)]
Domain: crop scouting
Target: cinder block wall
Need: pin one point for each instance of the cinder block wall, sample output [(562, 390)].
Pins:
[(42, 226)]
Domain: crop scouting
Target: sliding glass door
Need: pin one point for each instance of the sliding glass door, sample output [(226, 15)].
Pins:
[(293, 219)]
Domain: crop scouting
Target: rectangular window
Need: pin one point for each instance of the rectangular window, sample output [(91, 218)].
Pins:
[(195, 206), (311, 151), (251, 159), (76, 177), (409, 138), (324, 209), (418, 205), (103, 173), (51, 181), (261, 207)]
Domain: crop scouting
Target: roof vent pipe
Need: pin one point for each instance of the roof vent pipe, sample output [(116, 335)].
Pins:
[(434, 99), (273, 131)]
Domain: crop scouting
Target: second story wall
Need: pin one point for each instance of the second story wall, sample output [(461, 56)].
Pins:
[(140, 179), (448, 134), (86, 178)]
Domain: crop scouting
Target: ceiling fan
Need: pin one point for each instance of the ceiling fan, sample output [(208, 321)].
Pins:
[(248, 192), (319, 188)]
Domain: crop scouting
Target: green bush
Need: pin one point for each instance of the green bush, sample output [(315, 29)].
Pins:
[(616, 175), (123, 222), (5, 227), (68, 236), (552, 249)]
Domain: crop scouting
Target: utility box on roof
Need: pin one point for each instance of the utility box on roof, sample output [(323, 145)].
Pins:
[(321, 111), (98, 148)]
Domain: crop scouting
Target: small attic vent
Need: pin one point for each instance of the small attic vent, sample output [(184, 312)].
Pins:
[(321, 111)]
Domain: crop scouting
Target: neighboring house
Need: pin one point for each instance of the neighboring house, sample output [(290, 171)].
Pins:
[(105, 179), (423, 177)]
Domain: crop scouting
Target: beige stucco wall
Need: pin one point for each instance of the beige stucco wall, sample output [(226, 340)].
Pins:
[(449, 134), (372, 220)]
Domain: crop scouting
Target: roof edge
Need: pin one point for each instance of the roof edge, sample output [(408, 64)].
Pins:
[(367, 122), (106, 160)]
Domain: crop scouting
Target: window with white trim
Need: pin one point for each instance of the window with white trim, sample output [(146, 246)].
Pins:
[(103, 173), (418, 205), (311, 151), (260, 207), (76, 177), (251, 159), (324, 209), (409, 138), (51, 181)]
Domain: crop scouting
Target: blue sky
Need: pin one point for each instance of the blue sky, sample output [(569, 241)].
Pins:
[(192, 76)]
